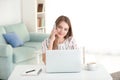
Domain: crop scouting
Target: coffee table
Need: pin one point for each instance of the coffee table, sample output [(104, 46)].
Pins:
[(99, 74)]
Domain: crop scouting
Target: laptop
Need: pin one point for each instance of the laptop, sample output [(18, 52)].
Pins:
[(58, 61)]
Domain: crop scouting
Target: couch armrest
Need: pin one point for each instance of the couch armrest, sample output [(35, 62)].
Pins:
[(6, 61), (38, 37), (5, 50)]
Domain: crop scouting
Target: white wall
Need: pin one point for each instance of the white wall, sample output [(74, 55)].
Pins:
[(29, 14), (95, 22), (10, 11)]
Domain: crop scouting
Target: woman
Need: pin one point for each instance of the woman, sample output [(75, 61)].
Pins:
[(60, 38)]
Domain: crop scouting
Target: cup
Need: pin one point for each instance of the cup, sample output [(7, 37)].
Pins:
[(91, 66)]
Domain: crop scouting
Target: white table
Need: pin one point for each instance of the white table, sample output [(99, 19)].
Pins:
[(99, 74)]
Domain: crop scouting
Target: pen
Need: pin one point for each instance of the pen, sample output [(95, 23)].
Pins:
[(39, 71), (30, 71)]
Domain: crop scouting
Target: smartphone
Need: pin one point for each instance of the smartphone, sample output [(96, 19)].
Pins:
[(54, 26)]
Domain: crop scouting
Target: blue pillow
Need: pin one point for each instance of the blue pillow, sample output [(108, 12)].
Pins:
[(13, 39)]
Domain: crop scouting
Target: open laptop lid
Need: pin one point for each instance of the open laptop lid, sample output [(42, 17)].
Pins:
[(63, 61)]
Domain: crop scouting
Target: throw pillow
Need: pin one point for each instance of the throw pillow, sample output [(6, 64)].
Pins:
[(13, 39)]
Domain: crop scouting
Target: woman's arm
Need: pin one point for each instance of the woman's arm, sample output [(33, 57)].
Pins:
[(50, 45), (44, 58), (44, 54)]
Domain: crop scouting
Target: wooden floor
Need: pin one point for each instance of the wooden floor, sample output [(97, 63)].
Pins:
[(116, 75)]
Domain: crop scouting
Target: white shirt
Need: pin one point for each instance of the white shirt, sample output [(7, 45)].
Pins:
[(69, 43)]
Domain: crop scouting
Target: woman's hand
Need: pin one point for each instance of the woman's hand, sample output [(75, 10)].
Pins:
[(53, 35)]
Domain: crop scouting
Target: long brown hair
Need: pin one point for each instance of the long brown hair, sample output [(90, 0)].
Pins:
[(67, 20), (57, 22)]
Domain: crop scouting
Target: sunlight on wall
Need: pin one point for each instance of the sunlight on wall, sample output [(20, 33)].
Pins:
[(10, 12), (95, 22)]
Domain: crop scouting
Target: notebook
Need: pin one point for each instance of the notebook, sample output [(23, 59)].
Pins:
[(63, 61)]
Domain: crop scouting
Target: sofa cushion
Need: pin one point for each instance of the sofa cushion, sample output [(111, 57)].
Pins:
[(2, 31), (20, 29), (35, 45), (13, 39), (22, 54)]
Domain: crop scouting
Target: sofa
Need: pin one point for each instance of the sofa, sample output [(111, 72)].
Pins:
[(9, 55)]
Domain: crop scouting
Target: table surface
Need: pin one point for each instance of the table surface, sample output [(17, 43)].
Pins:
[(99, 74)]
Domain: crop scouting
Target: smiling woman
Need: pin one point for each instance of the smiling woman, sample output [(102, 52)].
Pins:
[(61, 37)]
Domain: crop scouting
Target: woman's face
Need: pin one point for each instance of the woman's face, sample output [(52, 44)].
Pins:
[(62, 29)]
